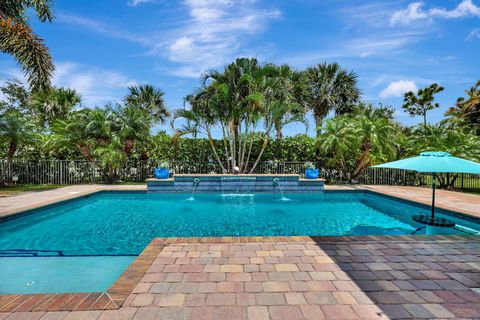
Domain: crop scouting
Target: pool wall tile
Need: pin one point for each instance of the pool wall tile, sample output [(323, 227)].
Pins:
[(233, 183)]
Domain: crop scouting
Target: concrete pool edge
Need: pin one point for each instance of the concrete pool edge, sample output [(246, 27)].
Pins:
[(28, 202), (118, 293)]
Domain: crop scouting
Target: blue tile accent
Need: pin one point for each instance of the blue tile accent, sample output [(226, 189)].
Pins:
[(230, 183)]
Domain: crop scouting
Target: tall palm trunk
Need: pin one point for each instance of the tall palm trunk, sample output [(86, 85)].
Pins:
[(364, 158), (111, 172), (318, 124), (264, 146), (234, 125), (212, 144), (85, 151), (278, 131), (12, 148), (128, 146)]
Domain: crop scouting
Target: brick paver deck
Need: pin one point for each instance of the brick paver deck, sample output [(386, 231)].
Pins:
[(300, 278), (280, 277)]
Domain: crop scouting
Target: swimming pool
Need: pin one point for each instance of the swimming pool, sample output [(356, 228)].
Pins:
[(123, 223), (83, 245)]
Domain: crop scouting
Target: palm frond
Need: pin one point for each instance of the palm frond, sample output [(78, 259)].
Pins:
[(29, 50)]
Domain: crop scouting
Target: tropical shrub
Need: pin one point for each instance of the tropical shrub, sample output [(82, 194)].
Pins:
[(466, 113), (446, 138), (352, 142)]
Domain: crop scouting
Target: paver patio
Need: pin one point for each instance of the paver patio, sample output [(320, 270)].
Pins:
[(301, 278), (398, 277)]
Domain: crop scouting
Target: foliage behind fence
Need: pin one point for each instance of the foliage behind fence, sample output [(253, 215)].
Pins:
[(84, 172)]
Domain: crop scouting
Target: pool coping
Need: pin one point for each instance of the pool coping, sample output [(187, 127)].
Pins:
[(118, 293), (442, 210)]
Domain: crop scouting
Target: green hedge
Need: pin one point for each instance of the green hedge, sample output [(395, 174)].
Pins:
[(165, 147)]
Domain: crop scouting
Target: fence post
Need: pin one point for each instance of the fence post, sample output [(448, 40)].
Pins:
[(462, 181), (92, 167)]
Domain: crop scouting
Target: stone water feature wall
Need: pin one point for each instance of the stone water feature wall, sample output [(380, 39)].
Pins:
[(235, 184)]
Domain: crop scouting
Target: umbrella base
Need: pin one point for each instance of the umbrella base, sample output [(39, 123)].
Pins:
[(433, 222)]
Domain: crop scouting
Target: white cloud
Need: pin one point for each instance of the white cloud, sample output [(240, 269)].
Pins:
[(96, 86), (375, 44), (213, 34), (135, 3), (102, 27), (398, 88), (415, 12), (474, 34), (411, 13), (464, 9)]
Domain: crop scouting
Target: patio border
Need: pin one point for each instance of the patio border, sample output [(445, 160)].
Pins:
[(116, 295)]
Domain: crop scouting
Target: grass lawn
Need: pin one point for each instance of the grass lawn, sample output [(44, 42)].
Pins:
[(9, 191)]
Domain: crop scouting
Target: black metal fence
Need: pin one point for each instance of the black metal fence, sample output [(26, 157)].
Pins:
[(85, 172)]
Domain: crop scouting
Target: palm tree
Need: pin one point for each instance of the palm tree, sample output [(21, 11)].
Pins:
[(472, 102), (336, 143), (230, 100), (131, 125), (54, 103), (329, 87), (99, 125), (111, 156), (378, 136), (420, 103), (16, 96), (150, 99), (467, 110), (238, 101), (72, 132), (15, 129), (292, 84), (445, 138), (279, 102), (354, 141), (18, 39)]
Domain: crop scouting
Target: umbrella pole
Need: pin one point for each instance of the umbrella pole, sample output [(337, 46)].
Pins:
[(433, 194)]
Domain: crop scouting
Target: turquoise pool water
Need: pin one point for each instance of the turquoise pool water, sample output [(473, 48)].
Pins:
[(60, 274), (124, 223)]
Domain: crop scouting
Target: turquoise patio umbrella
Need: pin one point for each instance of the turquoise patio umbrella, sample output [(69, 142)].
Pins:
[(434, 162)]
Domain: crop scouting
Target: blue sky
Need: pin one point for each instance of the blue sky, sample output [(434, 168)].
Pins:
[(101, 47)]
